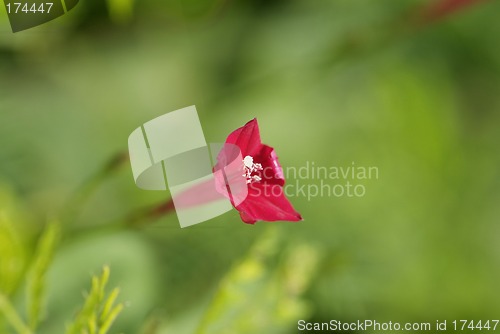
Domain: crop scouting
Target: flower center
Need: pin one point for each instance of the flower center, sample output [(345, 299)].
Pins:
[(250, 169)]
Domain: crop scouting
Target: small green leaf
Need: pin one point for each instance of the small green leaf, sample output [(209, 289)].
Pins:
[(111, 319), (90, 319), (109, 304), (44, 254)]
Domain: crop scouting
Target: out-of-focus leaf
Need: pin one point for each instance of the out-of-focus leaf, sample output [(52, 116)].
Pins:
[(132, 269), (12, 252), (44, 254), (11, 256), (98, 313)]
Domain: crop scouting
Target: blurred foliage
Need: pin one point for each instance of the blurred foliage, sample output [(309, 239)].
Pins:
[(120, 11), (334, 82), (261, 294), (96, 316), (12, 256), (36, 277), (99, 311)]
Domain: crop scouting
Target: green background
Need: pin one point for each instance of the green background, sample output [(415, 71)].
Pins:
[(333, 82)]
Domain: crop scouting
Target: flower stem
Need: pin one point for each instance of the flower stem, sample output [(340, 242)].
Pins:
[(142, 216), (135, 220)]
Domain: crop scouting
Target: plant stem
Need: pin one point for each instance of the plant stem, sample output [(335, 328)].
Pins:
[(134, 220), (80, 197), (141, 216)]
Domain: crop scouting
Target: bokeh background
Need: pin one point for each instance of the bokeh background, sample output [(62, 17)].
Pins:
[(411, 87)]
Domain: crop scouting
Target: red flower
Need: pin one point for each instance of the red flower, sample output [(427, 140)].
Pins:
[(260, 173)]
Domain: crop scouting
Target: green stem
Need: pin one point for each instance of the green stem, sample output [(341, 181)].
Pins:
[(135, 220), (142, 216), (80, 197)]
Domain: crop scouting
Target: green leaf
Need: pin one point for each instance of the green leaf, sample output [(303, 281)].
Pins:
[(44, 254), (91, 319), (12, 260)]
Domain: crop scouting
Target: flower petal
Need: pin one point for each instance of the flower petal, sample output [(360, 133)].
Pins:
[(267, 202), (247, 138), (272, 171)]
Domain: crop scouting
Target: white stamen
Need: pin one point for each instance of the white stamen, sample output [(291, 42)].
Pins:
[(248, 161), (250, 167)]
